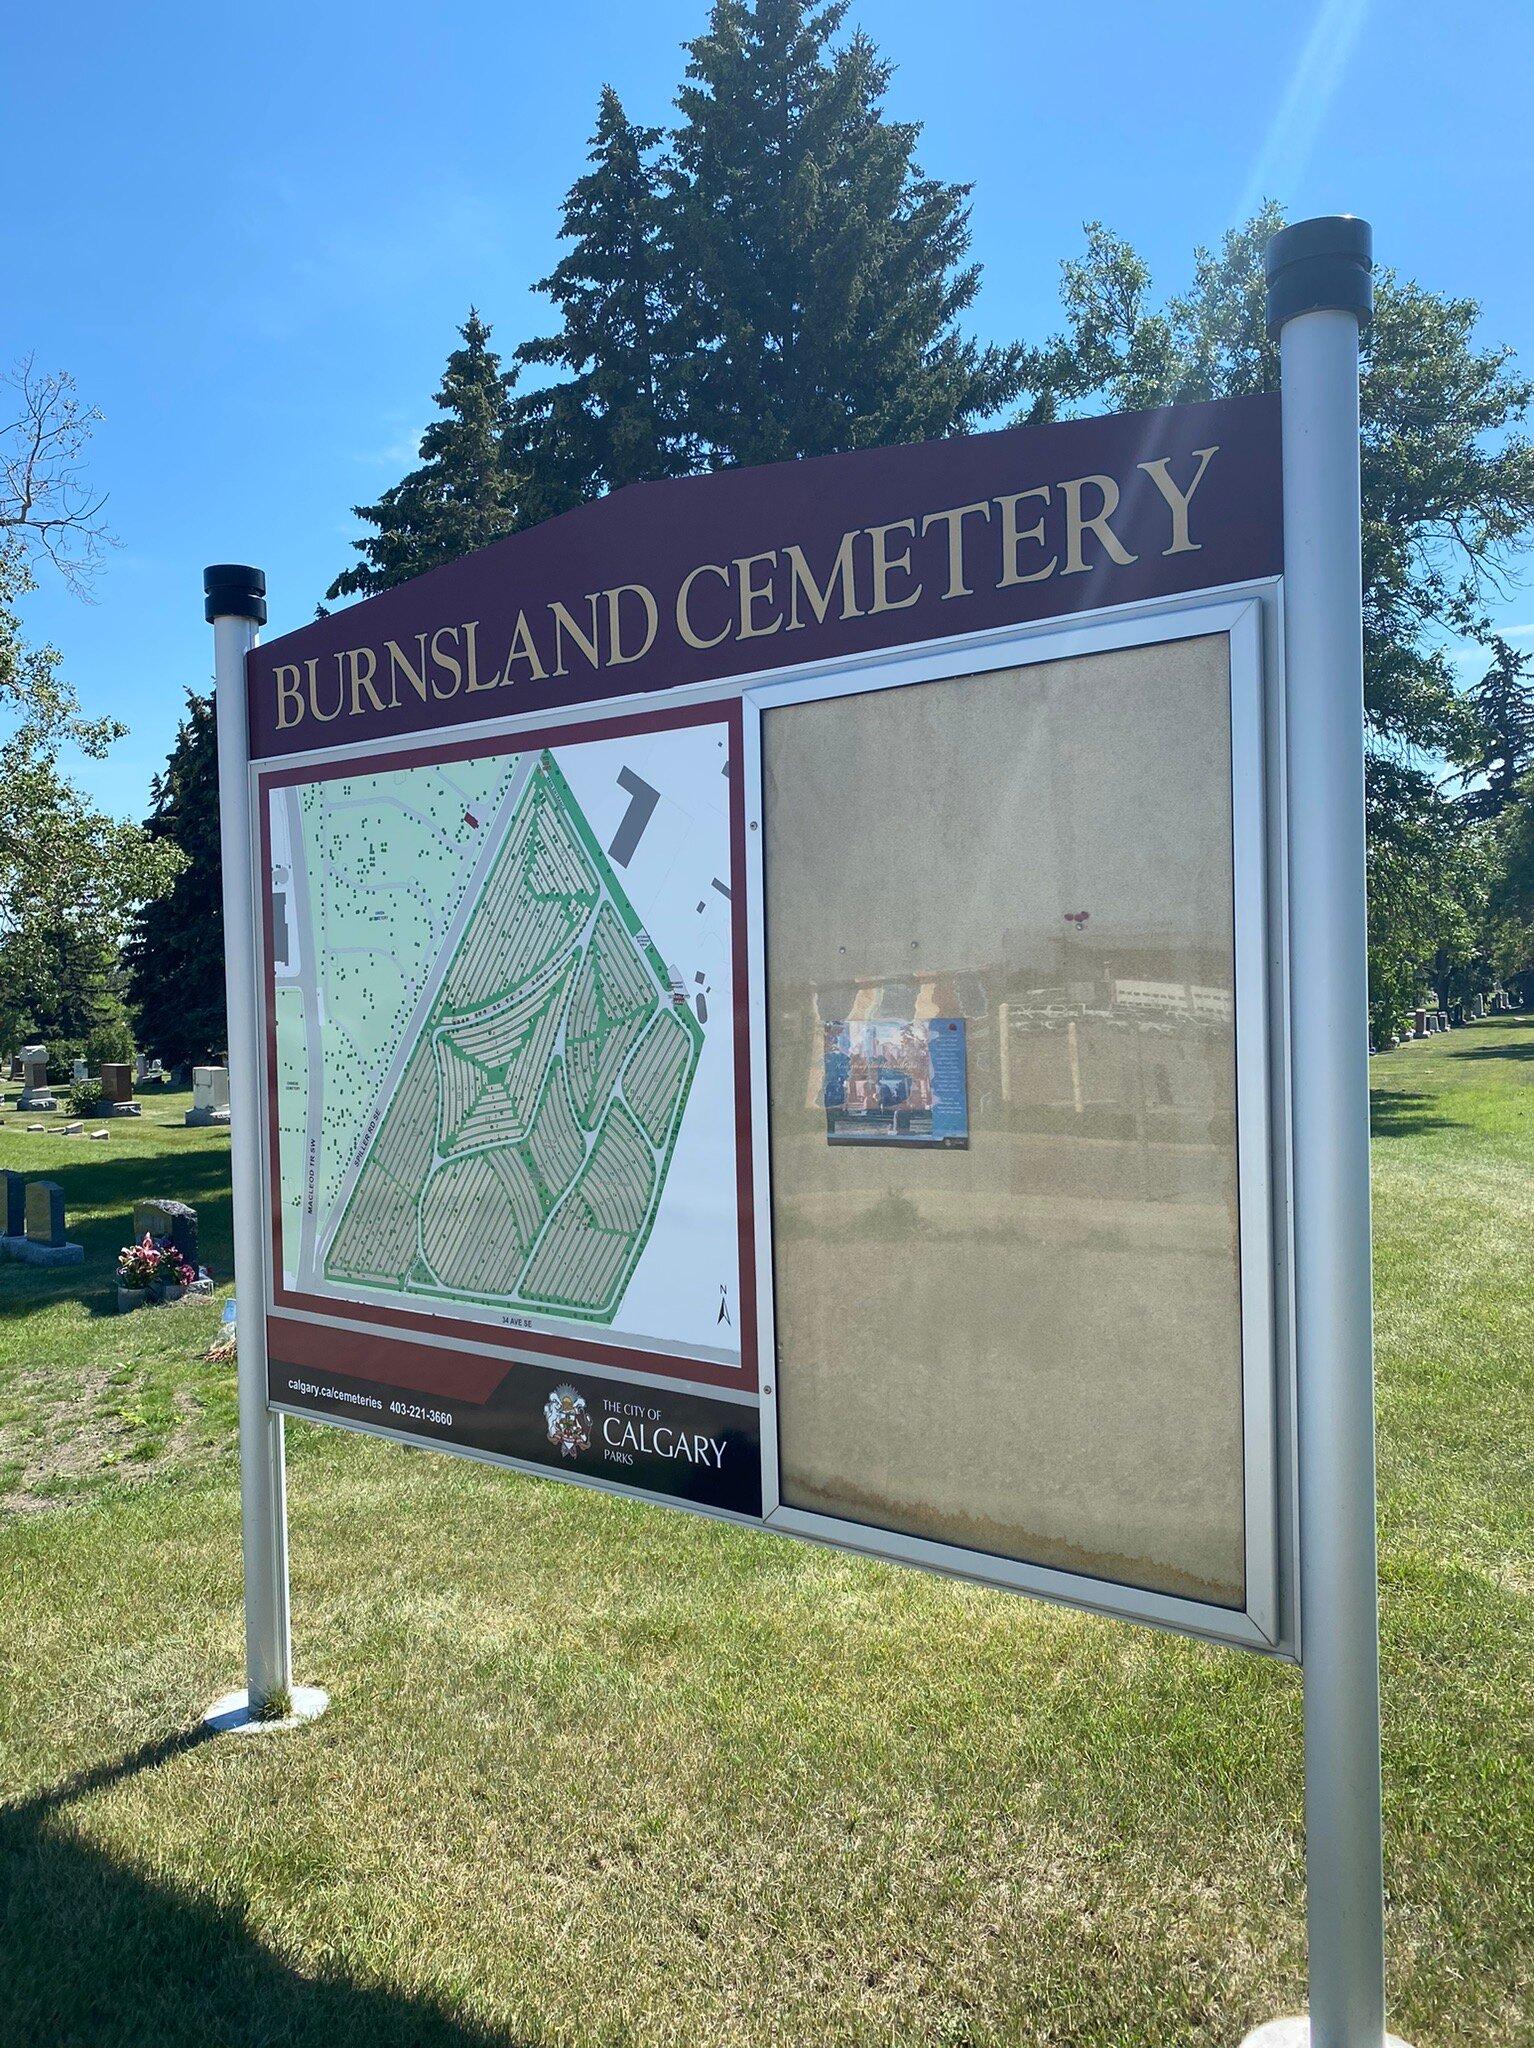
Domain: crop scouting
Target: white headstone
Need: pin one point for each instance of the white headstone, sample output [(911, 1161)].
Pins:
[(210, 1087)]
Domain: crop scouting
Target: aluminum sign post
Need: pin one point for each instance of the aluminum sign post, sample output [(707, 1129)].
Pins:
[(235, 604), (1319, 295)]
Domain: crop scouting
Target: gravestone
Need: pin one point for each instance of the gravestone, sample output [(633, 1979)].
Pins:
[(43, 1242), (35, 1092), (210, 1096), (79, 1070), (117, 1089), (45, 1212), (15, 1066), (175, 1220), (15, 1185), (146, 1069), (1419, 1024)]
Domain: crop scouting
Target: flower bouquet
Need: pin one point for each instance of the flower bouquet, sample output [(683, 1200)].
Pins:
[(151, 1270), (175, 1275), (138, 1266)]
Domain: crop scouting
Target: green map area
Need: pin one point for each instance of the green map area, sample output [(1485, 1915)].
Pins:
[(521, 1157)]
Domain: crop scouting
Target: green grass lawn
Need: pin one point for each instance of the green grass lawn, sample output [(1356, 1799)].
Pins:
[(597, 1773)]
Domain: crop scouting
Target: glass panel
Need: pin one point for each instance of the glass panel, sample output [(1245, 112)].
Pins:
[(1003, 1119)]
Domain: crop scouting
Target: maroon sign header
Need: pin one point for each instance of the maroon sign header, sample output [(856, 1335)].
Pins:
[(754, 569)]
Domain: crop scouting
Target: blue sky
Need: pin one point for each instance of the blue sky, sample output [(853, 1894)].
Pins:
[(250, 234)]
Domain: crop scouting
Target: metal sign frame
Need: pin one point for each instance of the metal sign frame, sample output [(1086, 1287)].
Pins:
[(495, 1334), (1249, 616), (1269, 1621)]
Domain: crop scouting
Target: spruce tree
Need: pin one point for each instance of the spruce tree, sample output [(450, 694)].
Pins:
[(175, 953), (464, 494), (1500, 762), (819, 275), (611, 420)]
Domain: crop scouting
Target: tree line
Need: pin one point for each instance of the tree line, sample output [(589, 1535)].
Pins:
[(775, 276)]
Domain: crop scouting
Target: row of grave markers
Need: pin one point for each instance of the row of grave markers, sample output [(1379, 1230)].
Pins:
[(1430, 1019), (34, 1222), (35, 1230), (210, 1085)]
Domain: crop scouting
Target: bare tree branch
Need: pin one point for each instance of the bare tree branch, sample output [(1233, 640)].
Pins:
[(47, 510)]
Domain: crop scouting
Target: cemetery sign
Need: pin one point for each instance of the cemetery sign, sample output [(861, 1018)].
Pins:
[(835, 996), (634, 1058)]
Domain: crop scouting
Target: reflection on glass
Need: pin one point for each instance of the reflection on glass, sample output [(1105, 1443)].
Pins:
[(1027, 1340)]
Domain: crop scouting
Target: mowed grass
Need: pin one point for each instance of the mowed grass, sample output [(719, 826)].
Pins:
[(86, 1393), (599, 1773)]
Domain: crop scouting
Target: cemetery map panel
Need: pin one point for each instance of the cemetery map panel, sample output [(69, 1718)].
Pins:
[(525, 1148), (488, 1063)]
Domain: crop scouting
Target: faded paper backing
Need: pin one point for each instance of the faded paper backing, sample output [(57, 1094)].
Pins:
[(1031, 1346)]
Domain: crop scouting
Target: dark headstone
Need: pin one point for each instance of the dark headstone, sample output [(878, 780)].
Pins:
[(45, 1212), (116, 1081), (174, 1220), (15, 1203)]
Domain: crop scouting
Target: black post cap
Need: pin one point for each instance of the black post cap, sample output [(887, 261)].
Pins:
[(232, 591), (1323, 265)]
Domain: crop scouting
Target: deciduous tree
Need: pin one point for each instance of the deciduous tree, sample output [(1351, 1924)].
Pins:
[(70, 877), (1448, 497)]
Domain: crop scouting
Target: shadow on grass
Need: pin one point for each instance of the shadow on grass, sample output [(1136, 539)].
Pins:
[(93, 1952), (1518, 1049), (1395, 1113)]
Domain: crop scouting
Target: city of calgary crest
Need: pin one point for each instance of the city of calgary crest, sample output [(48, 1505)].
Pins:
[(569, 1421)]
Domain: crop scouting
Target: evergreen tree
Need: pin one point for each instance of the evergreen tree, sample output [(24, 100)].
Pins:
[(1510, 890), (611, 420), (1502, 754), (817, 275), (175, 954), (465, 492)]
